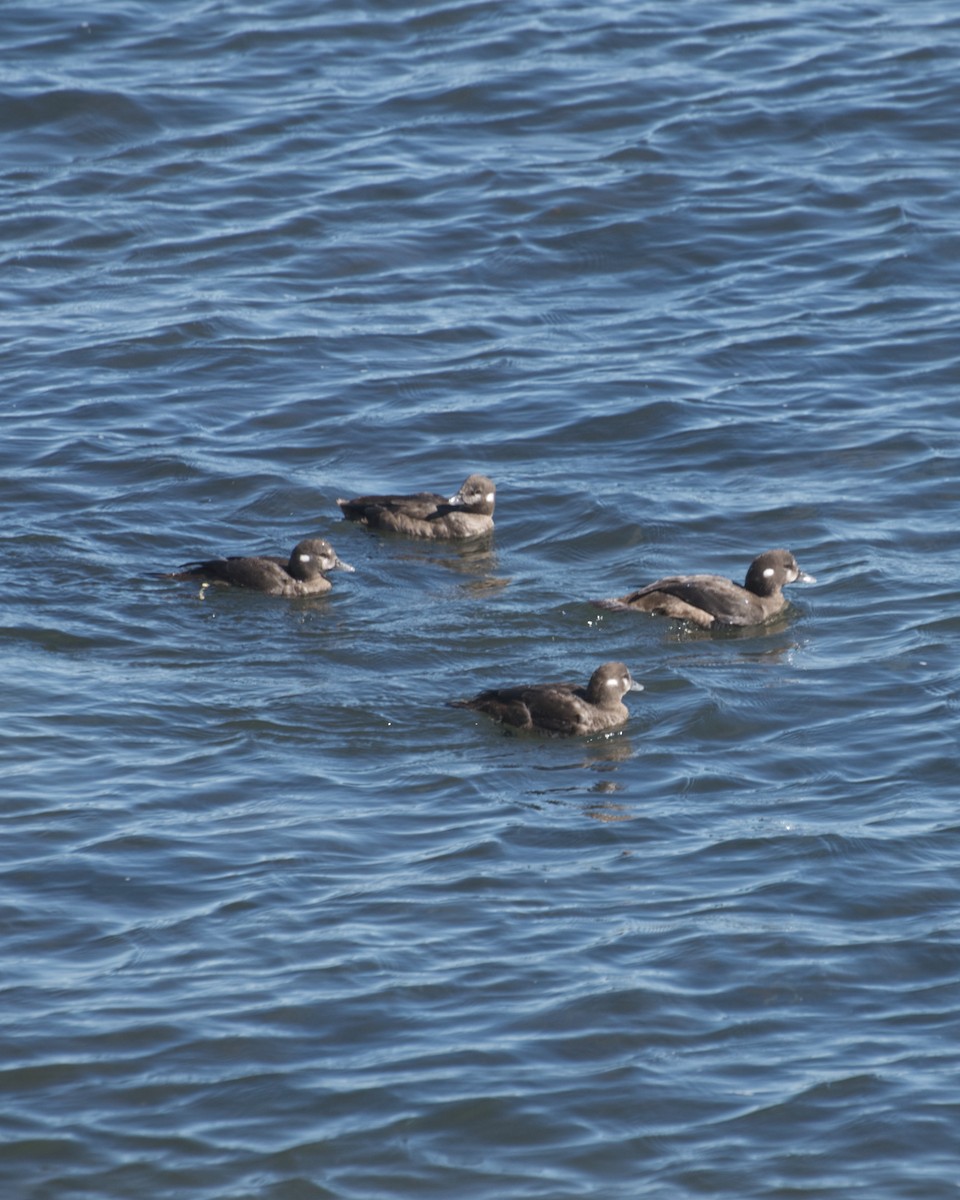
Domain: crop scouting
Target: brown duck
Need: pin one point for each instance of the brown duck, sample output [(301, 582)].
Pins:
[(302, 574), (561, 708), (466, 514), (711, 600)]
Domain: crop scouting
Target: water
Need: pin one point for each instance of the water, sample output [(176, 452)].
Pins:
[(279, 923)]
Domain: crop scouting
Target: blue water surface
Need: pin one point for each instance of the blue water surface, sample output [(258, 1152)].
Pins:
[(278, 922)]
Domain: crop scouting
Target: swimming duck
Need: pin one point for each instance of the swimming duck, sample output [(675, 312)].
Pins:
[(709, 600), (467, 514), (300, 575), (561, 708)]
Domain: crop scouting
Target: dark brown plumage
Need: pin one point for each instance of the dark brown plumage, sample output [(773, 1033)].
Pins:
[(710, 600), (427, 515), (300, 575), (561, 708)]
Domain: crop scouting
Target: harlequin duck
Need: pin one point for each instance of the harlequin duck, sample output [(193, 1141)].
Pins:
[(427, 515), (300, 575), (561, 708), (713, 600)]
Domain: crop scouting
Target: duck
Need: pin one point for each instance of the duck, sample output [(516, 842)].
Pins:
[(560, 709), (712, 600), (466, 514), (302, 574)]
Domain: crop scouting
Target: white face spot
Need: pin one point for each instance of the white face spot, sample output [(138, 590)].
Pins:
[(305, 557), (768, 571), (611, 683), (489, 497)]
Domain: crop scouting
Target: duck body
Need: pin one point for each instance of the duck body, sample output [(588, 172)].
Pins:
[(561, 709), (467, 514), (712, 600), (302, 574)]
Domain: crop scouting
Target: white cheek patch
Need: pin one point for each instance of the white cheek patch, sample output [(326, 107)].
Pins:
[(305, 557), (489, 497), (611, 682), (768, 572)]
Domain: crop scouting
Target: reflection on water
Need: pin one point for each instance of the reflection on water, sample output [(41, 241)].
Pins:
[(607, 813), (686, 631), (602, 754), (425, 548), (477, 558), (605, 752)]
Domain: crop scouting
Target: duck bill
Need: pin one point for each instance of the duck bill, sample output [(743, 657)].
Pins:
[(805, 577), (634, 686), (340, 565)]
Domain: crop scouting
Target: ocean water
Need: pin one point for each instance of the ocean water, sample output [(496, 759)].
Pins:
[(279, 923)]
